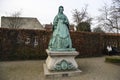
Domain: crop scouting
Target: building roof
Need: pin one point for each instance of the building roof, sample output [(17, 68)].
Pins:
[(27, 22)]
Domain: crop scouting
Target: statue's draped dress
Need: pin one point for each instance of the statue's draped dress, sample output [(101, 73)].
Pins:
[(60, 38)]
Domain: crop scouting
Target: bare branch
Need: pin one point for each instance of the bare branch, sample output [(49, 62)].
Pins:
[(14, 21), (80, 16), (110, 18)]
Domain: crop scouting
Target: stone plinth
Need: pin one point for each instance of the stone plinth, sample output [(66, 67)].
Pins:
[(61, 62)]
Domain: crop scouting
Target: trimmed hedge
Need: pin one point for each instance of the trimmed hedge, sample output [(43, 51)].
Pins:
[(113, 59), (22, 44)]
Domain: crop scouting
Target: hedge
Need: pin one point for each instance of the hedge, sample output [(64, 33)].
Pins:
[(113, 59), (23, 44)]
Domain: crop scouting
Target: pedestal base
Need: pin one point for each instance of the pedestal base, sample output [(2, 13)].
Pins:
[(61, 63), (51, 74)]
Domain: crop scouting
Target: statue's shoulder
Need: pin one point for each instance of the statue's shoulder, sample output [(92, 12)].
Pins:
[(56, 16), (65, 16)]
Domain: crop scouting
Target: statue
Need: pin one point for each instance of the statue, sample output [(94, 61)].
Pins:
[(61, 55), (60, 40)]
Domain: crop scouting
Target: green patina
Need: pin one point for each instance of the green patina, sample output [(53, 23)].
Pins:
[(64, 65), (60, 40)]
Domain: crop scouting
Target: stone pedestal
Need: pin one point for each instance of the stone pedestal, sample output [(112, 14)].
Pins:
[(61, 63)]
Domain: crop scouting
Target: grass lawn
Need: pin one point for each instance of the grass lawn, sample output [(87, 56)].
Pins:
[(113, 59)]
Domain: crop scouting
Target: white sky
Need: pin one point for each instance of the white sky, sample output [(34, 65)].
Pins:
[(45, 10)]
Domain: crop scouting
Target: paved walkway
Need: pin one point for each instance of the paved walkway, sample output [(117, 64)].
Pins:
[(93, 69)]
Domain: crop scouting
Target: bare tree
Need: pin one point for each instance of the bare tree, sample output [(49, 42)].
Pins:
[(82, 19), (110, 17), (81, 16), (117, 4), (104, 19), (14, 21), (76, 16)]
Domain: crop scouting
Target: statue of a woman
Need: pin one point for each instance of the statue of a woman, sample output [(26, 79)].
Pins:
[(60, 40)]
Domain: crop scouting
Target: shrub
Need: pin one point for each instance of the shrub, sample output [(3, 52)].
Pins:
[(113, 59)]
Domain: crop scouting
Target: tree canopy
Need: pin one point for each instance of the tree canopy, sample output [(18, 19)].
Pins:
[(98, 29), (84, 26)]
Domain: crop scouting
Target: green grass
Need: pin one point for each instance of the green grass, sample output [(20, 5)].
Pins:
[(113, 59)]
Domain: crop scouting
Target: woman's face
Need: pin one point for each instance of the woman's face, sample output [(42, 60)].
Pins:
[(61, 10)]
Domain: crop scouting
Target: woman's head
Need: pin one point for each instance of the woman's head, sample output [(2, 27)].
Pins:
[(61, 9)]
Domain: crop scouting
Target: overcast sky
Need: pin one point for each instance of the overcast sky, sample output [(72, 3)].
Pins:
[(45, 10)]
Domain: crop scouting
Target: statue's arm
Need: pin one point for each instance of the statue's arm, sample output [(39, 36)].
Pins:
[(55, 22), (66, 22)]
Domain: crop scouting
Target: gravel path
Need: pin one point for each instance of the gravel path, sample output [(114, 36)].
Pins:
[(92, 69)]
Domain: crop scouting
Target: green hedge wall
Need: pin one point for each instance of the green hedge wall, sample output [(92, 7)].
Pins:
[(23, 44)]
